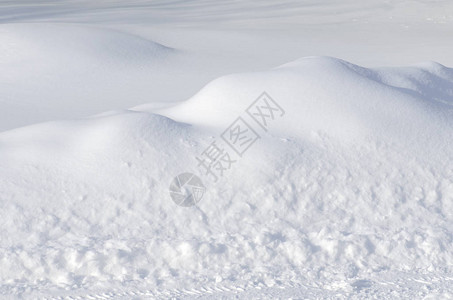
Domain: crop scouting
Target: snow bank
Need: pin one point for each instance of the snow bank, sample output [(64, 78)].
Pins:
[(353, 182)]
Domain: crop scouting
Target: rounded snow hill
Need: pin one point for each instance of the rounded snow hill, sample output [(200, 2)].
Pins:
[(330, 96), (351, 185), (56, 42), (59, 71)]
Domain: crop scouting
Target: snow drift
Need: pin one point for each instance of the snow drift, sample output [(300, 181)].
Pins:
[(51, 72), (352, 183)]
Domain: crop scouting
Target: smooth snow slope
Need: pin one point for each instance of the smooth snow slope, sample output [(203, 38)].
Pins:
[(349, 194), (67, 59), (51, 72)]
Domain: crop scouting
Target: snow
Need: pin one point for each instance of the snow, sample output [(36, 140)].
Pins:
[(347, 194)]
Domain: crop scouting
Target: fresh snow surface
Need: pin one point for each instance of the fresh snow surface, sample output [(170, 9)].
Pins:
[(63, 59), (354, 181), (347, 194)]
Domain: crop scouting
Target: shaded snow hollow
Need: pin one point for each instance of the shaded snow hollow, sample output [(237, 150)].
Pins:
[(355, 181)]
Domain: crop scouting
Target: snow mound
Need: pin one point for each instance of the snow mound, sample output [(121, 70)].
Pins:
[(335, 97), (353, 183), (59, 44), (51, 71)]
